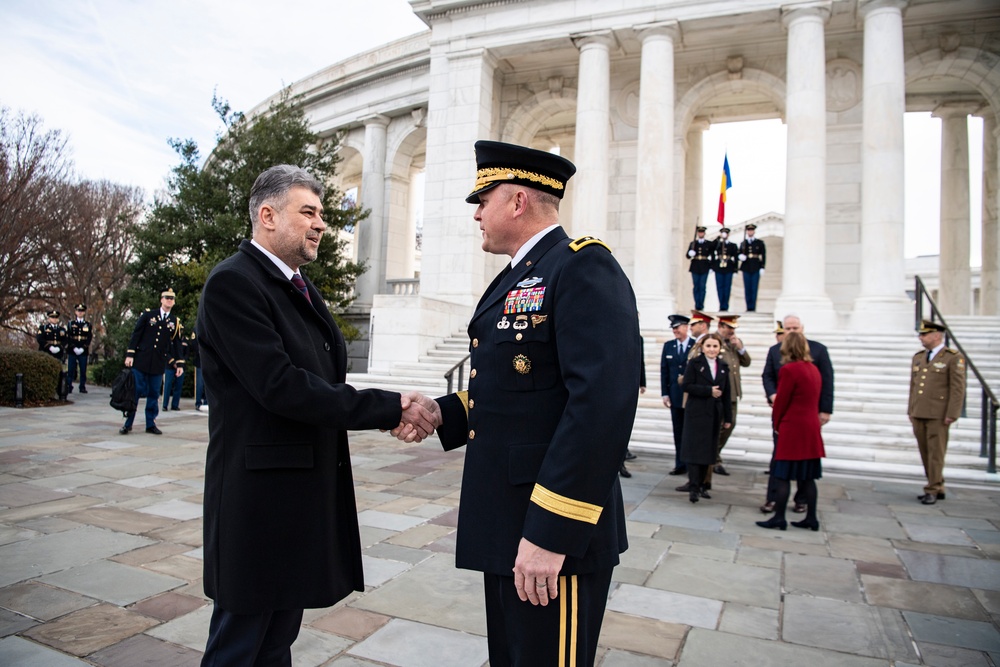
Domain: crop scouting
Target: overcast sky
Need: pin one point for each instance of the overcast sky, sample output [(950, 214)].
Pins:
[(120, 77)]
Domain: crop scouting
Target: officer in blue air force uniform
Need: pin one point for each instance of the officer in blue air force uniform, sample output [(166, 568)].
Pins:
[(546, 418)]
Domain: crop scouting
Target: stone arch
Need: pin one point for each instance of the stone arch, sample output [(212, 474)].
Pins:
[(406, 155), (976, 67), (529, 117), (687, 107)]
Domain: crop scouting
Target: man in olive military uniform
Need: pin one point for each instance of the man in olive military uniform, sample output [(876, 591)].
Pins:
[(700, 253), (735, 354), (725, 263), (150, 349), (937, 392), (51, 336), (753, 255), (547, 416), (81, 333)]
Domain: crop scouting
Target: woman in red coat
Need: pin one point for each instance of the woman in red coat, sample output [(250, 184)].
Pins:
[(796, 421)]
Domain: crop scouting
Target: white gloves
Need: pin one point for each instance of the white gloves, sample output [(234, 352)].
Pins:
[(78, 351), (762, 271), (690, 253), (54, 349), (742, 257)]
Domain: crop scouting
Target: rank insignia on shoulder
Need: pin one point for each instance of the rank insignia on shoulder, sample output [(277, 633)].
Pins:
[(584, 241), (530, 282), (522, 364)]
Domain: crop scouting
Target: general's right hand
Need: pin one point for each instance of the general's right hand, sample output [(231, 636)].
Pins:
[(128, 362)]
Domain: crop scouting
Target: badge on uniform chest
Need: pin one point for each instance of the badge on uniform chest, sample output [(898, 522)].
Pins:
[(524, 300)]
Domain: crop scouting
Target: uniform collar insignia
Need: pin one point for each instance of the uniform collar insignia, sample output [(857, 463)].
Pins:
[(530, 282)]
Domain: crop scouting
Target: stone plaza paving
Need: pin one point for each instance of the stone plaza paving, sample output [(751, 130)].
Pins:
[(101, 561)]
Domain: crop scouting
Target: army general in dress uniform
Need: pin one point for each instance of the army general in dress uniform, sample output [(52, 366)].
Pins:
[(937, 392), (152, 347), (546, 418)]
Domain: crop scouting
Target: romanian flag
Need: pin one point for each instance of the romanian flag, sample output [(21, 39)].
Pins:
[(727, 182)]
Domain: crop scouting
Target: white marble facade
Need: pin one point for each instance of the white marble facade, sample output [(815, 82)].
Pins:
[(624, 89)]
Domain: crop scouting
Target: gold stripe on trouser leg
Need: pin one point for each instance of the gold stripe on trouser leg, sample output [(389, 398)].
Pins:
[(567, 598)]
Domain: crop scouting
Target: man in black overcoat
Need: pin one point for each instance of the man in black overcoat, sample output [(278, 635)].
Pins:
[(281, 526), (547, 416)]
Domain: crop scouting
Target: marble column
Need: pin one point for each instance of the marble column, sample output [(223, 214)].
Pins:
[(954, 273), (654, 206), (593, 134), (989, 281), (803, 287), (882, 275), (371, 241), (681, 234)]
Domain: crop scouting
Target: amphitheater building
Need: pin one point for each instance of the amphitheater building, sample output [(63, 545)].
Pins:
[(625, 89)]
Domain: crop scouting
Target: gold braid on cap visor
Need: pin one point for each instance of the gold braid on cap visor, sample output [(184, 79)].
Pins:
[(491, 174)]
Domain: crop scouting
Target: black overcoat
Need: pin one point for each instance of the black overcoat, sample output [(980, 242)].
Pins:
[(549, 410), (281, 527), (820, 357), (704, 415)]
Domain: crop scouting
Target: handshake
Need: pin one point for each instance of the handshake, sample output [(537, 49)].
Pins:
[(421, 415)]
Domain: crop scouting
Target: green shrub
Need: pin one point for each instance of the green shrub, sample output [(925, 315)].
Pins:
[(40, 370), (103, 373)]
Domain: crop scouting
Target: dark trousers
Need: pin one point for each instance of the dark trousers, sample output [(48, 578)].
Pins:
[(724, 286), (251, 640), (148, 386), (677, 417), (562, 634), (199, 389), (751, 279), (700, 281), (81, 361), (172, 386)]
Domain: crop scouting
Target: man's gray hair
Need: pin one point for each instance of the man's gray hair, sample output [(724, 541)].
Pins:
[(272, 187)]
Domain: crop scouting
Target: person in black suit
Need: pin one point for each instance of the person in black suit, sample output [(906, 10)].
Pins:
[(753, 255), (700, 253), (821, 358), (673, 360), (725, 263), (708, 410), (151, 349), (280, 519), (547, 416)]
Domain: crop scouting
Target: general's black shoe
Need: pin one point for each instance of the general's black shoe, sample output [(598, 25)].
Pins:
[(83, 390), (124, 430), (719, 470), (623, 471), (154, 430), (680, 470)]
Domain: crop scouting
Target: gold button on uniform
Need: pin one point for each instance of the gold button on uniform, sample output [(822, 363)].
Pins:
[(475, 342), (472, 403), (472, 435), (472, 374), (518, 336)]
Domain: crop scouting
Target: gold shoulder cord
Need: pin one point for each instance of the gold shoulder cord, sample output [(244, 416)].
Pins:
[(584, 241)]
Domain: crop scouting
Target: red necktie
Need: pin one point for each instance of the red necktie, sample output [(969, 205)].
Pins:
[(301, 286)]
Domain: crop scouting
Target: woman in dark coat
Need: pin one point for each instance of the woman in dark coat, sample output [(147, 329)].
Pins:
[(707, 410), (796, 421)]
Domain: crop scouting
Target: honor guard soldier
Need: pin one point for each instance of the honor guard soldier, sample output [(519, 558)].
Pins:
[(937, 392), (700, 253), (753, 255), (81, 333), (51, 336), (547, 416), (725, 263), (150, 349)]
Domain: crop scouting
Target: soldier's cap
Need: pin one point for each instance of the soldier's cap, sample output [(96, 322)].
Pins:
[(926, 326), (751, 226), (724, 230), (780, 328), (168, 292), (80, 306), (731, 320), (53, 313), (699, 228), (698, 316), (677, 320), (497, 163)]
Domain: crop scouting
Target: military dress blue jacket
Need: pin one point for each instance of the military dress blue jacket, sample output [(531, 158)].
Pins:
[(549, 410)]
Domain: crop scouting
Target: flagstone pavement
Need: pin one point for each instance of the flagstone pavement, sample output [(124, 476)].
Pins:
[(101, 561)]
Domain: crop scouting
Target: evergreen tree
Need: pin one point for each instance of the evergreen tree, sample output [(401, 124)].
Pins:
[(204, 214)]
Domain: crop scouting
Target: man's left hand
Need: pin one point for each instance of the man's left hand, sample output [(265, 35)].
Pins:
[(179, 372), (536, 573), (824, 418)]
